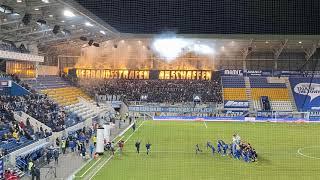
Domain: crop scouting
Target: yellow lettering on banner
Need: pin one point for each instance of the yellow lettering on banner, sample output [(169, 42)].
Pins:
[(83, 72), (108, 74), (111, 74), (208, 76), (120, 74), (140, 74), (103, 73), (194, 74), (125, 74), (189, 74), (116, 74), (87, 73), (173, 75), (136, 75), (131, 74), (178, 74), (98, 74), (203, 75), (146, 75), (198, 74), (167, 75), (183, 74), (161, 75)]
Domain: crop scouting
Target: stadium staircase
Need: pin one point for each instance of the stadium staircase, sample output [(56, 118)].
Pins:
[(87, 109), (288, 84), (73, 99), (248, 92)]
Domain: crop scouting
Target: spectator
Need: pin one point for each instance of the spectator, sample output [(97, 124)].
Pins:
[(163, 91)]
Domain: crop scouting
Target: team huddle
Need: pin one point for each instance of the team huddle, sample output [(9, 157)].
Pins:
[(237, 149)]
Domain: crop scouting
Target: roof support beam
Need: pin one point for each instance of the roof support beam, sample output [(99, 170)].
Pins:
[(309, 52), (279, 50), (247, 50)]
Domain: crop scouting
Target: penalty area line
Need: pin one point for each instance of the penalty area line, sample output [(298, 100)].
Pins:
[(205, 124), (310, 157), (104, 163)]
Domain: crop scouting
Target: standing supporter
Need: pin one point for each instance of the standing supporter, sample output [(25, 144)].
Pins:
[(56, 156), (91, 150), (63, 146)]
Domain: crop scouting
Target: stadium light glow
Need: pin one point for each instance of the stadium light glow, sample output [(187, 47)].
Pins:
[(300, 42), (45, 1), (103, 32), (68, 13), (88, 24), (36, 9), (19, 1), (170, 48)]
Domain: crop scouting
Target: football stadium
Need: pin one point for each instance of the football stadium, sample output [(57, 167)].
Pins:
[(159, 90)]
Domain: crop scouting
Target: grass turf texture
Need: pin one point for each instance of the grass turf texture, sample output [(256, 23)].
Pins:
[(173, 156)]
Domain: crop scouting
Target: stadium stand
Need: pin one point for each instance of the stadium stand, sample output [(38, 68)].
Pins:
[(278, 94), (73, 101), (234, 88), (47, 82), (163, 91)]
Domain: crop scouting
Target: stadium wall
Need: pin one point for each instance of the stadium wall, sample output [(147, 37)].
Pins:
[(232, 119)]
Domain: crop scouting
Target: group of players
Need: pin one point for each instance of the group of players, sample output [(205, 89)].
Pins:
[(110, 146), (237, 149)]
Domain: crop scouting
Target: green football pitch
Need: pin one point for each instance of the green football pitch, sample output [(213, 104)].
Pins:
[(285, 151)]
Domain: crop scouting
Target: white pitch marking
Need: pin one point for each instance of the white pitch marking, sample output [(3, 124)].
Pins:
[(115, 152), (205, 124), (311, 157)]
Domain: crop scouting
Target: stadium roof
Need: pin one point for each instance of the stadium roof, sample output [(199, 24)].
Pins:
[(264, 26), (209, 16), (71, 20)]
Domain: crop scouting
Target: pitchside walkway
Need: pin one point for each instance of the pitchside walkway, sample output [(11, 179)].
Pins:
[(71, 162)]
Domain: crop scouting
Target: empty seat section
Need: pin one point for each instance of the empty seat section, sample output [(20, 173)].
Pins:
[(235, 94), (66, 96), (278, 94), (234, 88), (47, 82)]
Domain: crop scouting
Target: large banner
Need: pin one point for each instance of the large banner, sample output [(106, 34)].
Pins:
[(306, 94), (142, 74), (170, 109), (240, 72)]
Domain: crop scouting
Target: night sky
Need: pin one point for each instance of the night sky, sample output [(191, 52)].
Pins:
[(209, 16)]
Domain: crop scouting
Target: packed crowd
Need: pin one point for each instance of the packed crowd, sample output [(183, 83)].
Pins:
[(163, 91), (37, 106)]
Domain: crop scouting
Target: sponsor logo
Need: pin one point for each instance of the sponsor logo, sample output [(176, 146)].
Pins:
[(312, 90), (241, 104), (233, 72)]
